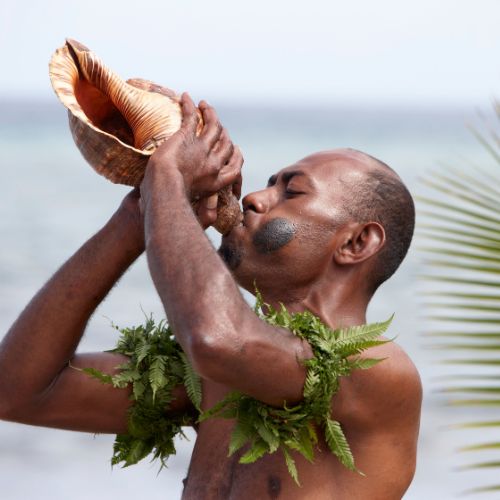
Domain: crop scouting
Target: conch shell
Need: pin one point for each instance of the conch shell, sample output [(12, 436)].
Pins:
[(117, 125)]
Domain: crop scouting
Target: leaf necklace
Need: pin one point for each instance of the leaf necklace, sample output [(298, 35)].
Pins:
[(157, 365)]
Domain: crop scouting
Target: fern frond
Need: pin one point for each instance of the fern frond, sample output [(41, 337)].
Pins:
[(362, 333), (138, 450), (337, 442), (241, 434), (306, 443), (141, 351), (312, 380), (257, 450), (268, 436), (192, 382), (97, 374), (231, 399), (157, 377), (292, 468), (364, 363), (352, 348)]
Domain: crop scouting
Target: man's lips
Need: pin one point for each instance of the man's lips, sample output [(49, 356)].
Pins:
[(250, 219), (247, 222)]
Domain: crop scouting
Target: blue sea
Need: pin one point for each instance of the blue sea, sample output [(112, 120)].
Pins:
[(52, 201)]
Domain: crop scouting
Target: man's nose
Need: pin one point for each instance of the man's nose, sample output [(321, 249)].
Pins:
[(256, 201)]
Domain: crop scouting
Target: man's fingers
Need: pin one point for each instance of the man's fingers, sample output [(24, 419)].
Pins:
[(231, 173), (237, 186), (211, 202), (212, 129), (228, 176), (225, 148), (189, 114), (237, 157), (207, 210)]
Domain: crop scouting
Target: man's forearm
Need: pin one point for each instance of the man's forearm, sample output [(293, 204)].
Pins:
[(224, 340), (201, 298), (47, 332)]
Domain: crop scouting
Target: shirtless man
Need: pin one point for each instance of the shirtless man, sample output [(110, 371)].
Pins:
[(322, 236)]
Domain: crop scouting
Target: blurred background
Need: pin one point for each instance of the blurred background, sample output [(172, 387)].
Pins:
[(399, 80)]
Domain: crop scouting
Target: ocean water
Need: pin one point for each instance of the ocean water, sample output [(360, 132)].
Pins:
[(52, 201)]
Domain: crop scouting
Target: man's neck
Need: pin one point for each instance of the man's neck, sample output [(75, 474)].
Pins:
[(338, 306)]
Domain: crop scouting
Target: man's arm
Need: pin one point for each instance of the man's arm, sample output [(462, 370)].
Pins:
[(36, 384), (224, 339)]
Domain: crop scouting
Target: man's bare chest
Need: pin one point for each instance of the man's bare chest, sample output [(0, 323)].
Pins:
[(214, 475)]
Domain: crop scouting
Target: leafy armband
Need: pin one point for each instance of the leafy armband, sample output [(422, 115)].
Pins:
[(155, 367)]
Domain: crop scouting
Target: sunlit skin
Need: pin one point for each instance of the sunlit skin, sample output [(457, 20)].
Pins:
[(299, 246)]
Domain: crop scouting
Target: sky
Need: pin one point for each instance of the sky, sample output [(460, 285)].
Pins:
[(400, 52)]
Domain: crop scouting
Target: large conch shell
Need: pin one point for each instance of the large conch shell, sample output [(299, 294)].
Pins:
[(117, 125)]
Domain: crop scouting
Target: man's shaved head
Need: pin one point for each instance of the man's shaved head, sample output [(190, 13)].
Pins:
[(381, 196)]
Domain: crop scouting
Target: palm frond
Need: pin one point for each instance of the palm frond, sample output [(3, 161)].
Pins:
[(460, 241)]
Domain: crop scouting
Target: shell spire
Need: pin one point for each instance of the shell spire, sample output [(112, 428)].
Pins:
[(118, 124)]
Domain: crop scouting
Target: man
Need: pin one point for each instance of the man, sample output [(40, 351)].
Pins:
[(323, 235)]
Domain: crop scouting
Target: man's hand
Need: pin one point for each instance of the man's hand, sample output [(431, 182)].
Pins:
[(206, 160)]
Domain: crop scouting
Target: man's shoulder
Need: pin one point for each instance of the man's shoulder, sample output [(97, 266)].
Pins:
[(395, 379), (396, 365), (390, 389)]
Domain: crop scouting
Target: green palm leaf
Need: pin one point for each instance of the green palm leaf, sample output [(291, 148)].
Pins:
[(460, 239), (477, 447), (486, 489)]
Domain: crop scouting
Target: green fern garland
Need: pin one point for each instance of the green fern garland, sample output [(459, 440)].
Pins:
[(157, 364)]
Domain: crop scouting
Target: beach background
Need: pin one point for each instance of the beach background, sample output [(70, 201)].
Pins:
[(405, 96)]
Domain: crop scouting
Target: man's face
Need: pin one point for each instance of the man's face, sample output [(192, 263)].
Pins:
[(287, 238)]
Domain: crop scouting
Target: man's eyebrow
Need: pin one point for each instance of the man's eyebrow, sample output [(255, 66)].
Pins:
[(272, 180), (288, 175), (285, 177)]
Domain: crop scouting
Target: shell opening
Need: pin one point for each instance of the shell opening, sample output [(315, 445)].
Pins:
[(101, 111), (99, 108)]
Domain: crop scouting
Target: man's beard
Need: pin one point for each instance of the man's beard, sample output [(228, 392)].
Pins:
[(273, 235), (231, 254)]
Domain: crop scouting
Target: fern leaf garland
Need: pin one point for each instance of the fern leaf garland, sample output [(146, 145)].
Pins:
[(157, 365)]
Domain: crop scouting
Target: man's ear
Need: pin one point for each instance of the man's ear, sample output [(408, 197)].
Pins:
[(359, 242)]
